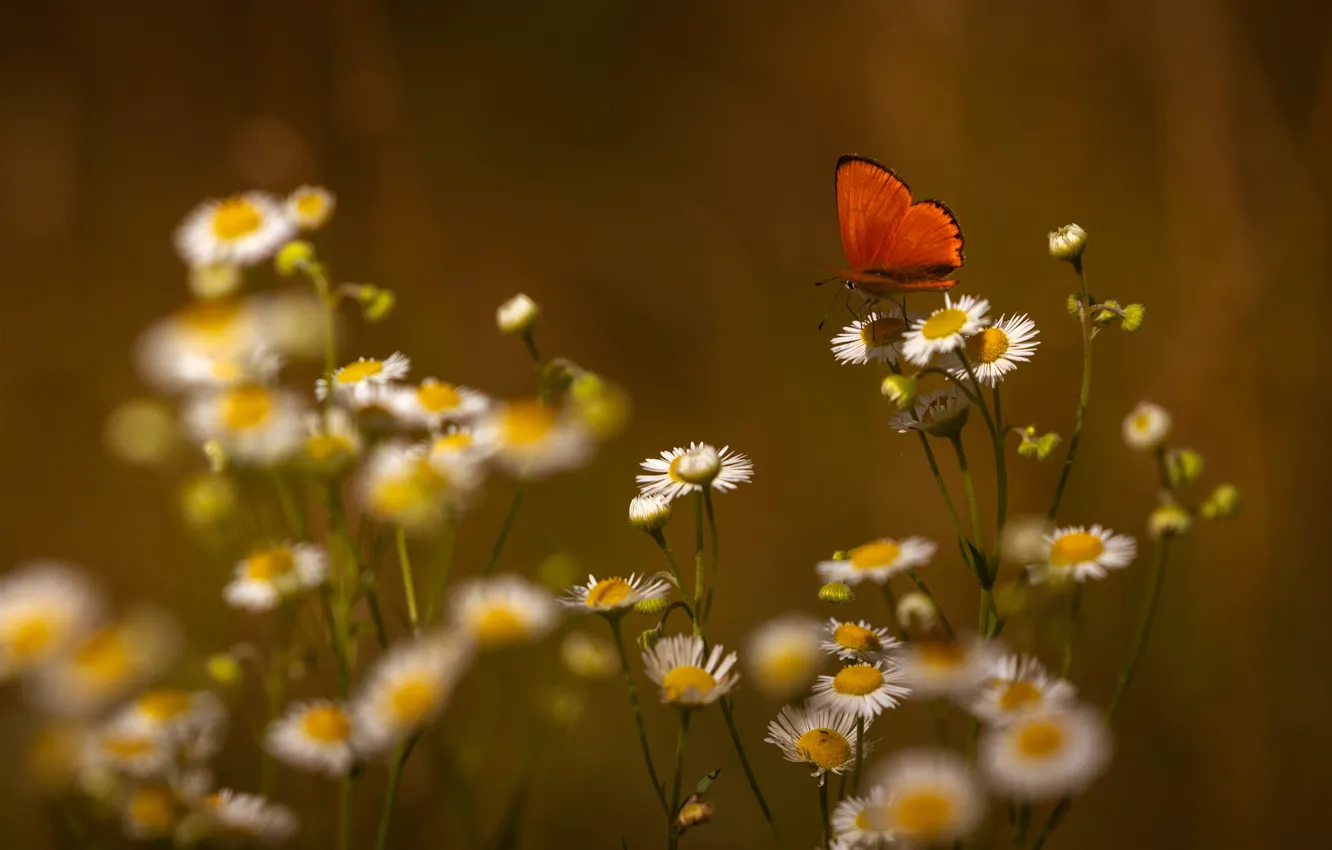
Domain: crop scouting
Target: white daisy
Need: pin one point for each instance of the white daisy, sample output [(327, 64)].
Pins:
[(108, 663), (124, 749), (1046, 753), (941, 413), (457, 445), (679, 472), (876, 337), (44, 608), (203, 331), (1016, 685), (784, 655), (243, 229), (332, 440), (193, 721), (314, 736), (946, 329), (613, 594), (250, 816), (686, 679), (149, 811), (400, 484), (817, 736), (309, 207), (503, 611), (212, 370), (946, 668), (405, 689), (1080, 553), (431, 403), (929, 797), (866, 690), (251, 422), (360, 379), (532, 439), (878, 560), (862, 823), (995, 351), (1147, 427), (858, 641), (269, 575)]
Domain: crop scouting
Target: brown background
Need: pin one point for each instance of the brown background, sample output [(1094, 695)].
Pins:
[(659, 177)]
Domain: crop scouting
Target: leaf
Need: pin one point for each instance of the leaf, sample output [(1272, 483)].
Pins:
[(975, 560), (706, 782)]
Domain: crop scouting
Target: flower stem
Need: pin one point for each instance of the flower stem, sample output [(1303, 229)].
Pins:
[(506, 527), (943, 488), (716, 557), (925, 589), (823, 810), (1084, 315), (890, 597), (729, 715), (679, 776), (638, 715), (408, 583), (391, 795), (665, 548), (698, 563), (436, 590), (1148, 616), (344, 813), (970, 488), (1075, 610), (860, 753), (1057, 816)]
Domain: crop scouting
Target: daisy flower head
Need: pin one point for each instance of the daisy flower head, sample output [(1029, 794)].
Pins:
[(994, 351), (689, 680), (1080, 553), (1017, 685), (930, 797), (360, 379), (679, 472), (44, 608), (108, 663), (946, 668), (250, 817), (242, 230), (857, 641), (332, 441), (1147, 427), (613, 595), (863, 822), (1046, 753), (817, 736), (171, 353), (784, 655), (532, 439), (405, 689), (878, 560), (505, 611), (865, 690), (194, 721), (874, 338), (399, 484), (457, 444), (149, 811), (309, 207), (946, 329), (269, 575), (314, 736), (213, 370), (119, 748), (431, 403), (253, 423), (942, 413)]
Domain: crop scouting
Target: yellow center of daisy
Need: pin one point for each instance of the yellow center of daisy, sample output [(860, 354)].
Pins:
[(326, 447), (455, 442), (326, 724), (412, 490), (246, 407), (944, 323), (923, 814), (437, 397), (608, 593), (105, 657), (826, 748), (786, 667), (1142, 421), (32, 637), (310, 205), (526, 423), (883, 331), (499, 626), (987, 346), (213, 316), (858, 681), (857, 638), (678, 681), (411, 700), (236, 218), (870, 556), (127, 746), (1040, 739), (354, 373), (150, 809), (940, 654), (1019, 694), (164, 705), (269, 564), (1076, 547)]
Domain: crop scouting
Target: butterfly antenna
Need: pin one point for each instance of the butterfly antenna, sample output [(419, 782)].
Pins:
[(825, 280), (836, 294)]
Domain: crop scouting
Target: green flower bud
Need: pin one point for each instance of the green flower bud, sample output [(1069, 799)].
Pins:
[(1046, 445), (900, 390), (652, 606), (1106, 316), (1133, 316), (1168, 520), (648, 639), (294, 257), (1183, 466), (836, 592), (1224, 502)]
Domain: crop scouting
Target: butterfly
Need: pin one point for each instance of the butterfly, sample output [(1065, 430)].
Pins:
[(891, 243)]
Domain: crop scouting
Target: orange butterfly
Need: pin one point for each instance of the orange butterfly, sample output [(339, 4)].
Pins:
[(892, 244)]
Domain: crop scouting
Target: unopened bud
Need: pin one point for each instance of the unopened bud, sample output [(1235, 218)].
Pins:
[(1224, 502), (915, 612), (649, 513), (142, 432), (208, 499), (588, 657), (1132, 319), (900, 390), (377, 303), (836, 592), (1107, 312), (648, 639), (294, 257), (1074, 305), (1028, 447), (223, 668), (1068, 242), (1168, 520), (694, 812), (214, 280), (652, 605), (1183, 466), (518, 315), (1046, 445)]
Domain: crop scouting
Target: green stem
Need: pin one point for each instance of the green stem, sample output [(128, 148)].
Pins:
[(344, 813), (860, 753), (1056, 817), (391, 795), (1021, 822), (679, 775), (290, 509), (939, 710), (823, 811), (657, 788), (1084, 315), (716, 557), (660, 540), (408, 582), (698, 562), (970, 488), (441, 576), (729, 715), (943, 488), (1000, 486), (506, 527), (890, 597), (1147, 617), (276, 687), (925, 589), (1075, 611)]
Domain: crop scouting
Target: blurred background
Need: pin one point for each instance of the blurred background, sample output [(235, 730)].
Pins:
[(659, 177)]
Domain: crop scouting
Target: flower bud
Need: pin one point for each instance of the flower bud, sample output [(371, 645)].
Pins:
[(836, 592), (1224, 502), (915, 612), (376, 303), (648, 639), (1107, 312), (1183, 466), (1147, 427), (223, 668), (294, 257), (653, 605), (695, 811), (1068, 242), (208, 499), (602, 407), (1046, 445), (1168, 520), (214, 280), (649, 513), (900, 390), (1132, 319), (1028, 447), (217, 456), (518, 315), (1011, 599), (1074, 305)]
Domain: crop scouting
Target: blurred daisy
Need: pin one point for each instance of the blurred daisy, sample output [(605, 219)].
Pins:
[(929, 798), (211, 370), (1019, 684), (865, 690), (1080, 553), (332, 441), (314, 736), (504, 611), (309, 207), (995, 351), (1147, 427), (1046, 753), (588, 657), (250, 816), (946, 329), (269, 575), (687, 680), (405, 689), (613, 594), (457, 445), (108, 663), (243, 229), (399, 484), (857, 641), (149, 811), (679, 472), (44, 607), (941, 413), (531, 439), (126, 750), (431, 403), (862, 822), (878, 560), (943, 668), (251, 422), (784, 655), (875, 337), (358, 379), (817, 736), (293, 322), (195, 721), (215, 329)]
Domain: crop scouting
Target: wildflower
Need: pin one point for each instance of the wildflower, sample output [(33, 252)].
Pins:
[(878, 560), (332, 441), (900, 390), (994, 351), (1067, 242), (929, 797), (863, 822), (1224, 501), (836, 592), (400, 484), (687, 680), (123, 748), (945, 668), (649, 513), (857, 641), (875, 337), (866, 689), (431, 403), (679, 472), (818, 736), (1080, 553), (45, 607), (946, 329), (942, 413), (250, 816), (916, 612), (457, 446), (518, 315), (504, 611), (531, 439), (1046, 753), (108, 663), (405, 689), (309, 207), (313, 736), (1147, 427), (270, 575), (294, 323), (1016, 685), (613, 595), (212, 370), (588, 657), (195, 721), (243, 229), (252, 423), (361, 378), (784, 655), (220, 329)]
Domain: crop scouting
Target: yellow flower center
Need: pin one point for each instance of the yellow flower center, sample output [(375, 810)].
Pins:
[(858, 680), (941, 655), (857, 638), (923, 814), (105, 657), (1142, 421), (883, 331), (356, 372), (499, 626), (236, 218), (326, 447), (164, 705), (1040, 739), (32, 637), (608, 593), (413, 490), (127, 746), (681, 680), (1019, 694), (438, 397), (1076, 547), (786, 667), (411, 700), (987, 346), (455, 442), (526, 423), (247, 407), (151, 809), (870, 556), (825, 748), (269, 564), (310, 205), (213, 316), (326, 724), (944, 323)]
